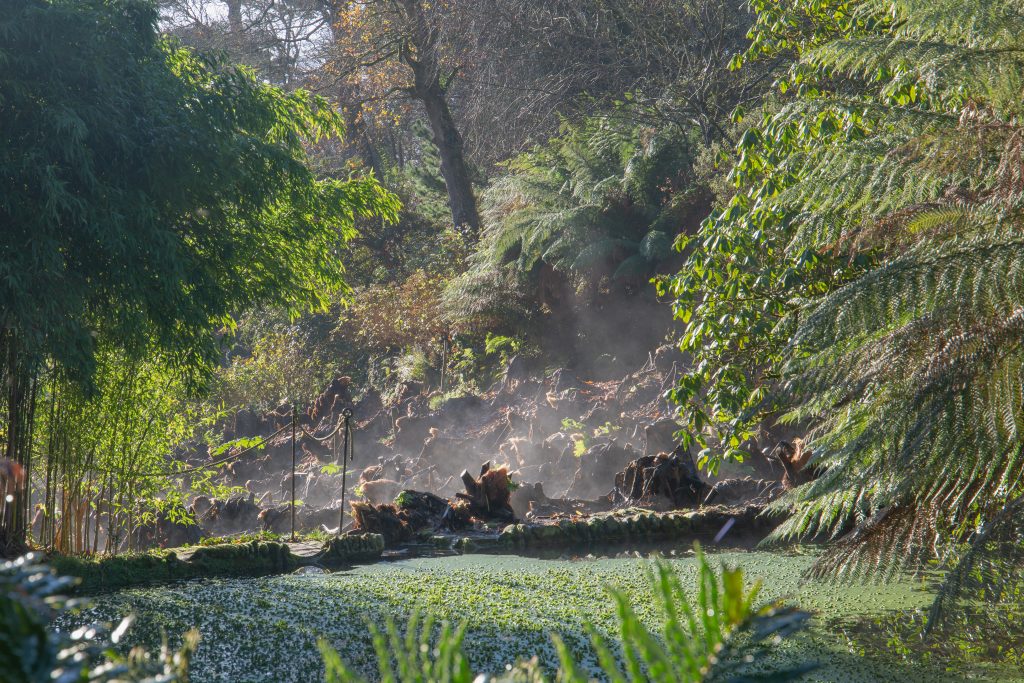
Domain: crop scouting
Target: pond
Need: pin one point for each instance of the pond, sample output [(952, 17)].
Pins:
[(266, 629)]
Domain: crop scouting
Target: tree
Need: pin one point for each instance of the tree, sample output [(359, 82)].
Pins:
[(602, 201), (410, 47), (148, 194), (877, 230)]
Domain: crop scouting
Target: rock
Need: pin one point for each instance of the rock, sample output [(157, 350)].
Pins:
[(353, 547)]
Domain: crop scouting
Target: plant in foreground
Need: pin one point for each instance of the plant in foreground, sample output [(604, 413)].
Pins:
[(31, 650), (713, 638)]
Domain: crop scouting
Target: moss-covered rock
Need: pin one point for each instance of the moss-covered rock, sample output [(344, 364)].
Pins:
[(350, 548), (229, 559), (634, 523)]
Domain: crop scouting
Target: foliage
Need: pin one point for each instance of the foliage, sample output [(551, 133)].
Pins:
[(244, 538), (410, 659), (974, 637), (867, 276), (602, 199), (150, 194), (713, 638), (277, 360), (160, 194), (107, 451), (399, 316), (30, 650)]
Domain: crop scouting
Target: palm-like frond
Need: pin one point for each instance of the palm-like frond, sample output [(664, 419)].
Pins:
[(869, 278), (913, 374), (598, 200)]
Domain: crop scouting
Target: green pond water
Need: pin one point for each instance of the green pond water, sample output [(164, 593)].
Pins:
[(266, 629)]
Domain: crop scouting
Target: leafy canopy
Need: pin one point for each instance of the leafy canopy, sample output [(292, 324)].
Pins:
[(148, 193), (603, 199), (867, 276)]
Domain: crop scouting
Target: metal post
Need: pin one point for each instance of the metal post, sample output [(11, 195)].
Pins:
[(293, 473), (346, 444), (444, 359)]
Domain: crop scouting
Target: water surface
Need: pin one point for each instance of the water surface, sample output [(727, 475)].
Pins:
[(265, 629)]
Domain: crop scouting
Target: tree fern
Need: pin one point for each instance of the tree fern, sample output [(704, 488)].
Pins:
[(876, 246), (603, 199)]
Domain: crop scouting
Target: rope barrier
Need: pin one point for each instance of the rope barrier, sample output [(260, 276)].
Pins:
[(336, 429)]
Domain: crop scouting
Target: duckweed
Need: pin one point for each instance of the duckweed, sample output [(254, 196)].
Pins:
[(265, 629)]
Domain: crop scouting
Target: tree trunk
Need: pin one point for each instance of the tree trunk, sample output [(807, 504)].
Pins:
[(18, 378), (235, 16), (453, 160), (420, 54)]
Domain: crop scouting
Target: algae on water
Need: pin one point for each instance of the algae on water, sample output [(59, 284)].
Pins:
[(265, 629)]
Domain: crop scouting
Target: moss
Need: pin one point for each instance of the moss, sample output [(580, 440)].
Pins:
[(256, 557), (353, 548), (632, 523), (119, 571)]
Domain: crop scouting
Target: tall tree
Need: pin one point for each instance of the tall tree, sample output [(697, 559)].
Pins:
[(409, 47), (147, 194)]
